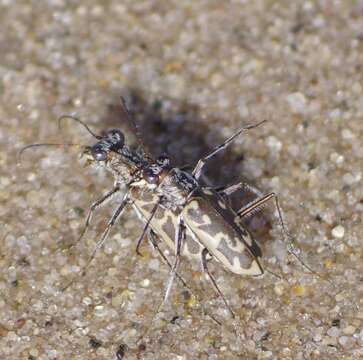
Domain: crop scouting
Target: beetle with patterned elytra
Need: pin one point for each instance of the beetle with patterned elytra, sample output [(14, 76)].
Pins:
[(194, 221)]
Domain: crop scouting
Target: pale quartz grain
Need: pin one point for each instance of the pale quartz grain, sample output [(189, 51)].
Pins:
[(338, 231), (297, 102), (349, 330), (279, 289), (333, 331)]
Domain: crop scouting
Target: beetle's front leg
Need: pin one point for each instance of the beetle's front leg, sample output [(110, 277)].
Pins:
[(198, 169), (116, 215), (96, 205)]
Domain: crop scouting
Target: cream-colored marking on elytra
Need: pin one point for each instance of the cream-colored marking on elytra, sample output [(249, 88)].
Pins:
[(206, 220), (236, 268), (157, 226), (215, 239), (254, 269), (239, 245), (236, 239), (222, 204), (212, 242), (193, 205)]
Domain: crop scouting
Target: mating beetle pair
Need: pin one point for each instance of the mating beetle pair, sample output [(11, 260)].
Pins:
[(193, 220)]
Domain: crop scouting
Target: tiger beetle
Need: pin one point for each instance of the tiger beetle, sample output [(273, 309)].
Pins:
[(195, 221)]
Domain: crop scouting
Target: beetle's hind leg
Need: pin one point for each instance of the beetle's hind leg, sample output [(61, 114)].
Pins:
[(205, 253), (256, 205), (229, 189)]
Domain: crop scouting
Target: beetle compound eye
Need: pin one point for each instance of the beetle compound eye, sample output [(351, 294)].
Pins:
[(99, 154), (116, 138), (150, 176)]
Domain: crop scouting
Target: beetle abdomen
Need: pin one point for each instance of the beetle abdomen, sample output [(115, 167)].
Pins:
[(229, 243)]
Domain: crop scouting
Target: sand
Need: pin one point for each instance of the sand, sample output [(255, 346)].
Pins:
[(193, 72)]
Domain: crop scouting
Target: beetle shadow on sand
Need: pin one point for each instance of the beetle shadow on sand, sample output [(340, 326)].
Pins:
[(180, 134)]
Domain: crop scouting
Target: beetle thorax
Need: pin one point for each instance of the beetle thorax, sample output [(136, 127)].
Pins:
[(123, 172), (176, 188)]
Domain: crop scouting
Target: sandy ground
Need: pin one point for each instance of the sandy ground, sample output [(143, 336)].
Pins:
[(193, 72)]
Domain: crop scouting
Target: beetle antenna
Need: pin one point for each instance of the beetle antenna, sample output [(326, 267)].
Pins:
[(64, 117), (20, 153), (130, 118)]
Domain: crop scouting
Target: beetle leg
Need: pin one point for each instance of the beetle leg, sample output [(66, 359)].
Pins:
[(256, 205), (198, 169), (180, 237), (153, 240), (230, 189), (205, 252), (146, 227), (116, 215), (96, 205)]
